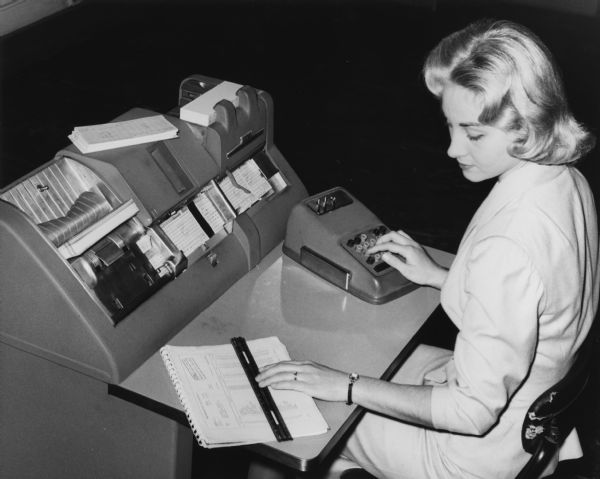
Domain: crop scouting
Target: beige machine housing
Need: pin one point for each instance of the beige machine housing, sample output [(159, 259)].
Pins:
[(102, 263)]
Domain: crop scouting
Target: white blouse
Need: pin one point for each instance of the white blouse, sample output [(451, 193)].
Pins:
[(523, 291)]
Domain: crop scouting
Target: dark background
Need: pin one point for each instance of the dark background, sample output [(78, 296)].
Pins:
[(350, 105)]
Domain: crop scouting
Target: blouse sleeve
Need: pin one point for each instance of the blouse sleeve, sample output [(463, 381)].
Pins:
[(496, 344)]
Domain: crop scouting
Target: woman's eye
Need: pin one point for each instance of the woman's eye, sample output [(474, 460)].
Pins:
[(475, 137)]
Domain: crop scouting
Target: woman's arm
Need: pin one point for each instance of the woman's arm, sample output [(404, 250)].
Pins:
[(501, 301), (404, 402)]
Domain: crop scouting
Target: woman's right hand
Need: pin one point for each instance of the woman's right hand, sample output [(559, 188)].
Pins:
[(400, 251)]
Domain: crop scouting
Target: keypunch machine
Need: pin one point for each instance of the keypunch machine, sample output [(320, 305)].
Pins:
[(105, 256)]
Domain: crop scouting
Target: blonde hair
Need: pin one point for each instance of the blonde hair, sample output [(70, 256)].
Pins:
[(510, 68)]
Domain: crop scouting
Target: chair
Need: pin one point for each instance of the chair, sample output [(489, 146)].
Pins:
[(551, 417)]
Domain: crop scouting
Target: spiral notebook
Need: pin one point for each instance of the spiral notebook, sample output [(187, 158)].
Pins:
[(220, 403)]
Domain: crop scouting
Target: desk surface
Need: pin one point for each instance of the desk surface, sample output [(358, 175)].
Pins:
[(315, 320)]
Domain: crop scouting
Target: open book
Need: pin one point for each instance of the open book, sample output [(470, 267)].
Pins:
[(221, 405)]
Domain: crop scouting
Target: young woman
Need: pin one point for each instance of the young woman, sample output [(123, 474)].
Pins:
[(522, 290)]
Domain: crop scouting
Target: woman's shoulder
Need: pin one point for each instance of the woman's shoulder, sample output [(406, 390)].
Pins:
[(554, 202), (543, 210), (550, 219)]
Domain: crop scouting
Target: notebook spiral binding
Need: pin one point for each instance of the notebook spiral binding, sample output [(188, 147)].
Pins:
[(175, 380)]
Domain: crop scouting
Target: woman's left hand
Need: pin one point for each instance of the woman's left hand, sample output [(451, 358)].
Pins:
[(308, 377)]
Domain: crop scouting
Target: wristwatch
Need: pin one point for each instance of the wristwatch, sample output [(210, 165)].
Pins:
[(352, 378)]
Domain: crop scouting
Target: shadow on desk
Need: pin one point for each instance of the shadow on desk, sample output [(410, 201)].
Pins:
[(225, 463)]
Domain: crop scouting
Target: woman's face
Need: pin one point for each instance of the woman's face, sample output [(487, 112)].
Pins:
[(481, 150)]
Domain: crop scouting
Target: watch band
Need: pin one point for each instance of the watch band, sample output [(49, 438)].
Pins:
[(352, 378)]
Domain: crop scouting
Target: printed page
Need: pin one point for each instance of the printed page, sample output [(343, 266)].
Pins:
[(251, 186), (220, 403), (184, 231), (239, 199), (250, 176)]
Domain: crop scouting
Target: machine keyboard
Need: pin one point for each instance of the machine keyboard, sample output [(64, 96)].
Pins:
[(357, 245)]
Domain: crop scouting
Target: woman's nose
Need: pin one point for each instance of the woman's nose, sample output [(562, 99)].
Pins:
[(457, 146)]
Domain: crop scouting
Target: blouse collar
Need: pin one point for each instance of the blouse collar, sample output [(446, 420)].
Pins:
[(512, 186)]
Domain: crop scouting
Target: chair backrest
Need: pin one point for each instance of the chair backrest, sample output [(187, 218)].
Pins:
[(552, 415)]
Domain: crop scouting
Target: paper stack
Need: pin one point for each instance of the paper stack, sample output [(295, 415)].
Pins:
[(122, 133), (201, 110)]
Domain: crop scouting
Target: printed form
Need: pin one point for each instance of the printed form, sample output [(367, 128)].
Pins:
[(185, 232), (245, 186), (220, 403)]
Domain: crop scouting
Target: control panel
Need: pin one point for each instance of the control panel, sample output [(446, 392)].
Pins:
[(357, 244)]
